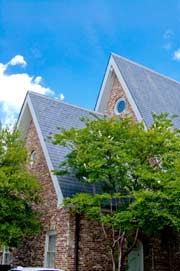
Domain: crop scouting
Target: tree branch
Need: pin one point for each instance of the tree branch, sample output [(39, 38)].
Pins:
[(133, 244)]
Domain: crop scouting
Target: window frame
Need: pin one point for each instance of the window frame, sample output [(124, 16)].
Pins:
[(32, 157), (6, 256), (116, 106), (47, 252)]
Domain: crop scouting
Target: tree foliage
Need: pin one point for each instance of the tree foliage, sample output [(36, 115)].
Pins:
[(136, 172), (18, 191)]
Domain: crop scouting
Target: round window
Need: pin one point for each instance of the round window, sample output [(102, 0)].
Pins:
[(120, 106)]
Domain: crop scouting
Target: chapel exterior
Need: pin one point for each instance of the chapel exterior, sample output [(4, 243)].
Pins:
[(69, 241)]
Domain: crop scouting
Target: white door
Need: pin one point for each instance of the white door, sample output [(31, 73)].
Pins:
[(135, 258)]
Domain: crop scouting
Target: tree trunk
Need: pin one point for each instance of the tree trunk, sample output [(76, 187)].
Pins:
[(121, 248), (113, 260)]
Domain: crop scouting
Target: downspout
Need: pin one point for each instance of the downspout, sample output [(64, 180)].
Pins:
[(77, 237)]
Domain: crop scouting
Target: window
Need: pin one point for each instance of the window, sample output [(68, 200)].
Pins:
[(120, 106), (32, 158), (6, 256), (50, 249), (136, 259)]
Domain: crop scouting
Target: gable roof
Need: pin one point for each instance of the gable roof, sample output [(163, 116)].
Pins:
[(147, 91), (48, 114)]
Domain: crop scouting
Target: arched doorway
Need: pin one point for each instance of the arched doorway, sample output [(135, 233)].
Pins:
[(136, 258)]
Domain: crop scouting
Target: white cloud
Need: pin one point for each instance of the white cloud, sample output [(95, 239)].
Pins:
[(14, 87), (176, 55), (38, 79), (17, 60), (61, 96)]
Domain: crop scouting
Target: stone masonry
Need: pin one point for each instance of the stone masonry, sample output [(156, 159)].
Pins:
[(115, 94), (92, 249), (32, 251)]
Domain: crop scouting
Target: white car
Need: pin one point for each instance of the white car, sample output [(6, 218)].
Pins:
[(20, 268)]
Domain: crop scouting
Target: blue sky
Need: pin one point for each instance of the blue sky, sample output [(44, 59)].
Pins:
[(62, 46)]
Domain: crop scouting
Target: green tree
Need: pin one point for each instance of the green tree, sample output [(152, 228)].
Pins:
[(136, 173), (18, 191)]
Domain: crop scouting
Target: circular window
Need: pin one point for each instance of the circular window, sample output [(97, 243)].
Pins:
[(120, 106)]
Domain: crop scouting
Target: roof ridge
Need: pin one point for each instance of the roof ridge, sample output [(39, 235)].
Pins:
[(64, 103), (145, 68)]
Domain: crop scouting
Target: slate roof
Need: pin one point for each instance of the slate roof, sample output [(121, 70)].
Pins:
[(51, 114), (152, 92)]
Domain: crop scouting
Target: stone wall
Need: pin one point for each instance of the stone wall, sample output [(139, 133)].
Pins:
[(92, 249), (156, 255), (94, 254), (115, 94), (32, 250)]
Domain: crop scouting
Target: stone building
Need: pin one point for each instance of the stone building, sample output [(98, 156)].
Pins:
[(70, 242)]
